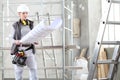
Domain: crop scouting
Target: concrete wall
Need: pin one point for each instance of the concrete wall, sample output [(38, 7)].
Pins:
[(0, 36), (81, 13), (94, 15), (1, 23), (84, 26), (89, 13)]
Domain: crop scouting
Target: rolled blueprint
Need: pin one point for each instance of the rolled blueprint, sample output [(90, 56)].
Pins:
[(41, 31)]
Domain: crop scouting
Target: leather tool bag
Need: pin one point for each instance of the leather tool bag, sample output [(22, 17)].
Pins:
[(19, 58)]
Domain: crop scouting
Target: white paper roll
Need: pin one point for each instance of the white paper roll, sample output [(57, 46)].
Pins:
[(41, 31)]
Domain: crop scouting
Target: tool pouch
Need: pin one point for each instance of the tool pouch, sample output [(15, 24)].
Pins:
[(19, 58)]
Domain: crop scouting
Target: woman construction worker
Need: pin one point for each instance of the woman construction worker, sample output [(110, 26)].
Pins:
[(23, 53)]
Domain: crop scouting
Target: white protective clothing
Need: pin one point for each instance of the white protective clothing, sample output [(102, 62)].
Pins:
[(31, 64)]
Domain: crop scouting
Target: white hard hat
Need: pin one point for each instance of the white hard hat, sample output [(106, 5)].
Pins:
[(22, 8)]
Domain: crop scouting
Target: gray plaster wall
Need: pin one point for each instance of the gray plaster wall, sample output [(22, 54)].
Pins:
[(81, 12), (84, 26), (94, 15), (0, 36), (1, 22), (89, 12)]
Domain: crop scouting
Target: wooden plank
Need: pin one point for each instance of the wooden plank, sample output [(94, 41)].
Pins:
[(83, 52), (101, 66), (106, 66)]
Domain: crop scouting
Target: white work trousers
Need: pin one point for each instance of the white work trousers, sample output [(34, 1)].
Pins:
[(31, 64)]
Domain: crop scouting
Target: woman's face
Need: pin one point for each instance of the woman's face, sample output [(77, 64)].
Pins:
[(23, 15)]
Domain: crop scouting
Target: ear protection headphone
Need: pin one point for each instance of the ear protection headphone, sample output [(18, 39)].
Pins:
[(25, 22)]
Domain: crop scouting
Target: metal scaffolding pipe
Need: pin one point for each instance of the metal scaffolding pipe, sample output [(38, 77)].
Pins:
[(32, 16), (49, 47), (35, 3), (63, 39), (53, 67)]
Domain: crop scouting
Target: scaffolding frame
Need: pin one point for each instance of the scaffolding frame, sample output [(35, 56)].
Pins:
[(66, 8)]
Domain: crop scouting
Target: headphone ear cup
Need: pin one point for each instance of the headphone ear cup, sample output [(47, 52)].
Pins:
[(24, 22)]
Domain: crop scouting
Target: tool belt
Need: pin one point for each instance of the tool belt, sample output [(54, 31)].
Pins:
[(25, 45), (14, 48)]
